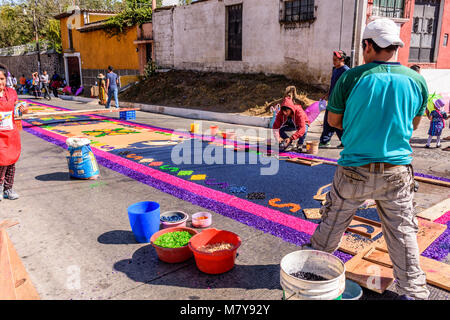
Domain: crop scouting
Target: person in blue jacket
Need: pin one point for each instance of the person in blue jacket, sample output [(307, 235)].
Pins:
[(340, 65)]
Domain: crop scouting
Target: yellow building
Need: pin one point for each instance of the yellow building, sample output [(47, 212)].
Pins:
[(88, 50)]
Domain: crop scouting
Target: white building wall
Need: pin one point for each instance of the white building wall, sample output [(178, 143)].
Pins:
[(195, 38)]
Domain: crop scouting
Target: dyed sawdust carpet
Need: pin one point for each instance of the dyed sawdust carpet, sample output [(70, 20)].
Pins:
[(270, 203)]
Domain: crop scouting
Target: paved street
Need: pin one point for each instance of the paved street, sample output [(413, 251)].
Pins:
[(72, 227)]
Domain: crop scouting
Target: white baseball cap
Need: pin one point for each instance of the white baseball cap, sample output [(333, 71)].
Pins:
[(384, 32)]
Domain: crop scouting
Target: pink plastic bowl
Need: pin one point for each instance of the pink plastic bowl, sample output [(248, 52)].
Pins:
[(179, 223), (201, 223)]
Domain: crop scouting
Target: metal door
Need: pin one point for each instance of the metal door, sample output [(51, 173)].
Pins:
[(423, 37), (234, 32)]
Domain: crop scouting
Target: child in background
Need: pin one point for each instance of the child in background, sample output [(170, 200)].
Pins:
[(437, 123)]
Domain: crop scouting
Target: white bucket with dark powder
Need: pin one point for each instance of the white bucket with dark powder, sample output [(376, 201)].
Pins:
[(312, 275)]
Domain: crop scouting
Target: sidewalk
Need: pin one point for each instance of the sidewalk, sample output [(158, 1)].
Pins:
[(233, 118)]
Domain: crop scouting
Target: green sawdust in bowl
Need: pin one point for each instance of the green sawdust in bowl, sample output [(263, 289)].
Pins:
[(211, 248), (176, 239)]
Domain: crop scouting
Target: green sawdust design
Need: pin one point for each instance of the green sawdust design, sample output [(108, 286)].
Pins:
[(108, 132)]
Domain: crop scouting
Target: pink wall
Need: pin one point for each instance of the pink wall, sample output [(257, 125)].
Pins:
[(443, 59)]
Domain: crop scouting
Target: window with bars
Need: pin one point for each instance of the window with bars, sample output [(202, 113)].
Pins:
[(234, 32), (298, 10), (69, 33), (389, 8)]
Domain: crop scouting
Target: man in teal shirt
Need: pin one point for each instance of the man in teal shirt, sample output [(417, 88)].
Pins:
[(378, 105)]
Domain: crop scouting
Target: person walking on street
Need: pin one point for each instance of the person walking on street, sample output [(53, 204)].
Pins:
[(55, 84), (22, 83), (340, 65), (9, 81), (14, 81), (378, 105), (112, 83), (102, 96), (35, 85), (45, 84)]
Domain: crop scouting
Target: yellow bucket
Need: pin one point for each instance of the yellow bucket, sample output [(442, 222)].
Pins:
[(194, 128)]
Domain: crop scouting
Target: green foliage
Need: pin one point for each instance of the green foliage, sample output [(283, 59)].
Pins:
[(184, 2), (150, 69), (16, 19), (136, 12)]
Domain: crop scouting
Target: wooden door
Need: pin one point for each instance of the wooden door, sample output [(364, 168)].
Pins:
[(424, 30)]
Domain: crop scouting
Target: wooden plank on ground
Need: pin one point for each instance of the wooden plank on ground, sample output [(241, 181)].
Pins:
[(378, 256), (435, 211), (427, 234), (364, 227), (7, 291), (433, 181), (438, 273), (367, 274), (353, 245), (24, 288), (307, 162), (74, 112), (312, 213)]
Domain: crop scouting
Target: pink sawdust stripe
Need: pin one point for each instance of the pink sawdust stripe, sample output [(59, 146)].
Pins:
[(181, 133), (444, 218), (46, 105), (255, 209)]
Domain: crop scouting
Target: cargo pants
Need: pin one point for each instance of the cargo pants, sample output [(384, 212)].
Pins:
[(392, 189)]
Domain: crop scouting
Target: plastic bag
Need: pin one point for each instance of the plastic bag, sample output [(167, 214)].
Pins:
[(81, 160), (313, 111)]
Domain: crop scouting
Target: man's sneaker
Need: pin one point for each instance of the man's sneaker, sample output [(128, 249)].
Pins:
[(10, 194), (438, 145), (341, 146), (427, 146), (405, 297), (324, 145)]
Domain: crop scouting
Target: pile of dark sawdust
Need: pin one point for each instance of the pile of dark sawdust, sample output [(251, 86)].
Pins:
[(250, 94)]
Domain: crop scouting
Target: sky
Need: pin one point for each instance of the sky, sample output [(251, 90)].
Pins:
[(169, 2)]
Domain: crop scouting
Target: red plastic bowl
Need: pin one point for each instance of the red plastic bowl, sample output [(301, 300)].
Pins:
[(216, 262), (172, 255)]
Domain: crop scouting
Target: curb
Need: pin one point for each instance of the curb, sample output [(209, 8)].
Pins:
[(81, 99), (187, 113)]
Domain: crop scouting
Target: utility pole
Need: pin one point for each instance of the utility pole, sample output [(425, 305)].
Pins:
[(37, 38)]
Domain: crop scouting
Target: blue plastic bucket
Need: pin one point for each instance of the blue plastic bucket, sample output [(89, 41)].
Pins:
[(352, 291), (144, 219)]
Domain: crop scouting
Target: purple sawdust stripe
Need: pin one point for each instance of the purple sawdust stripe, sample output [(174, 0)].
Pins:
[(440, 248), (285, 233), (431, 177), (226, 141)]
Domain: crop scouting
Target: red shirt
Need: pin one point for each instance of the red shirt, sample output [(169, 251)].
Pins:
[(9, 133)]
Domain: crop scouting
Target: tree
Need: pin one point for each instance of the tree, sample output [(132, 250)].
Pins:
[(136, 12), (16, 19)]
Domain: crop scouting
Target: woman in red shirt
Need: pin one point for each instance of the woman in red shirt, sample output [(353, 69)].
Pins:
[(9, 137)]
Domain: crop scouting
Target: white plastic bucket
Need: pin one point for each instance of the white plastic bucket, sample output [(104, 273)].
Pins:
[(319, 263)]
